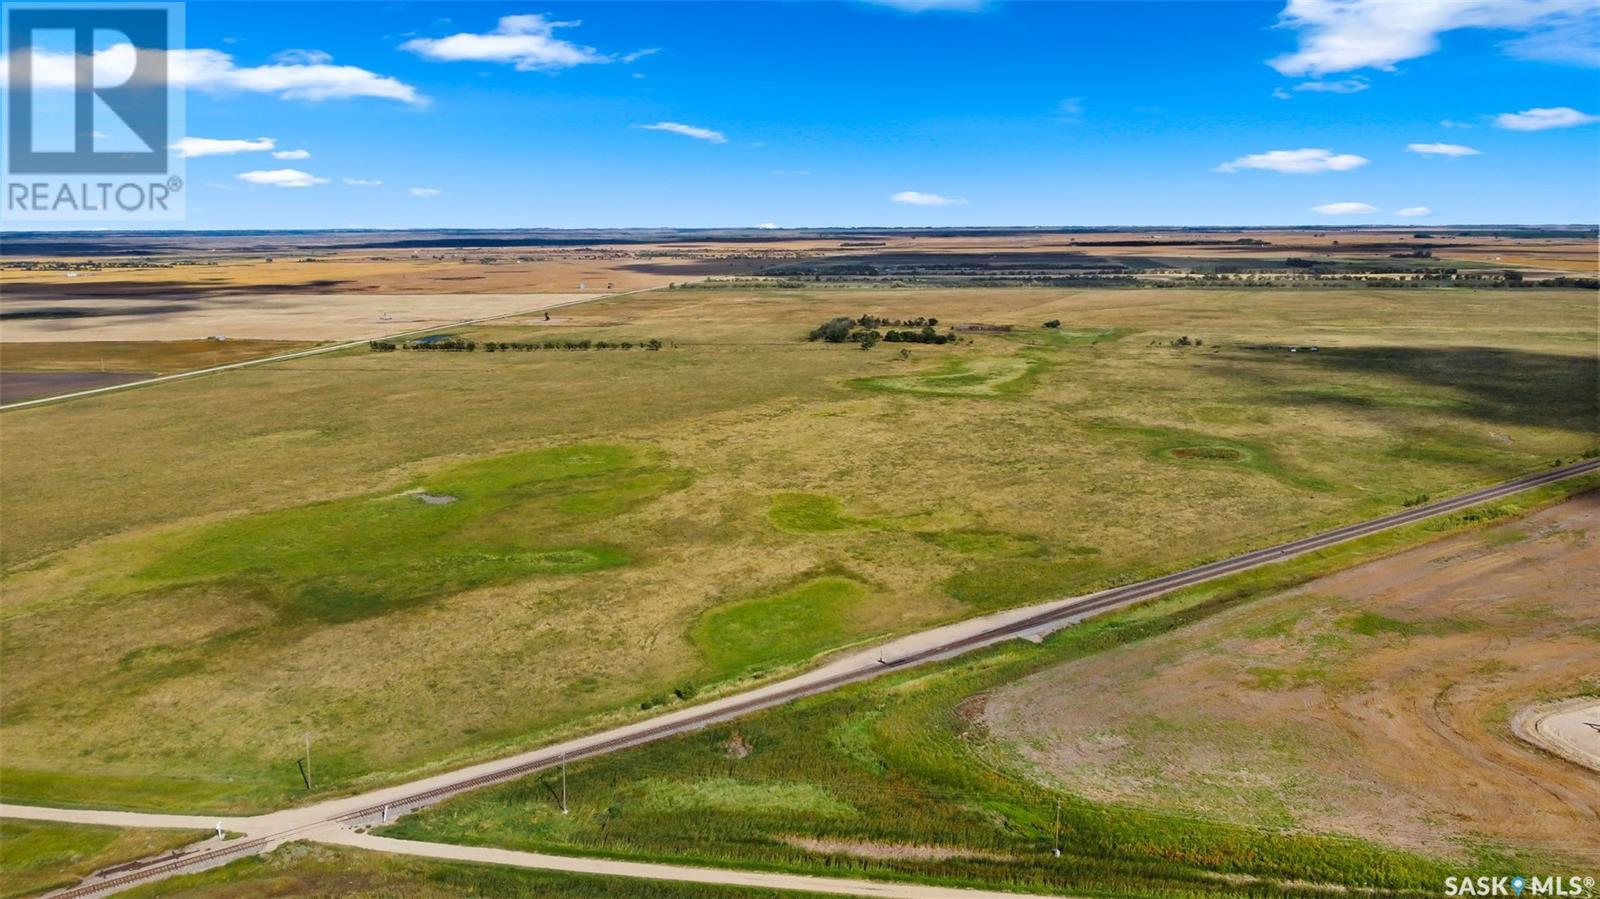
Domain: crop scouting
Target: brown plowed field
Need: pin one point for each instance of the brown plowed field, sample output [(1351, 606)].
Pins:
[(1375, 702)]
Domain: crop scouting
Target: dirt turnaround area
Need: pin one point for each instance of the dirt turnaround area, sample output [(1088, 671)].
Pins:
[(1569, 729), (1378, 702)]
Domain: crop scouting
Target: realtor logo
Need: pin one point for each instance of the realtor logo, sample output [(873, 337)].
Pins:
[(90, 112)]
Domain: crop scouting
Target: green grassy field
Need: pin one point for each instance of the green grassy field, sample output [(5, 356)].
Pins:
[(199, 574), (37, 856), (495, 520), (782, 628), (898, 778)]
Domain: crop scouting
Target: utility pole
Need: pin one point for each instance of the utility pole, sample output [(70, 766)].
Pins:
[(308, 758), (1058, 827), (563, 783)]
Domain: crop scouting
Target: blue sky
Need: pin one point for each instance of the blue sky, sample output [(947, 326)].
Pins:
[(920, 112)]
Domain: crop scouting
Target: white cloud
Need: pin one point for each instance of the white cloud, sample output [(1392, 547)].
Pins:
[(1282, 94), (1576, 41), (1347, 86), (918, 198), (1341, 35), (302, 57), (1412, 212), (1296, 162), (716, 137), (363, 182), (1452, 123), (637, 55), (768, 226), (932, 5), (424, 191), (1538, 119), (526, 41), (1442, 149), (214, 71), (1070, 108), (292, 154), (281, 178), (190, 147), (1344, 208)]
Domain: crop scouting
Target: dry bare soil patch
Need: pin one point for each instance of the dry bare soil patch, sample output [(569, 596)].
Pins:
[(1373, 702)]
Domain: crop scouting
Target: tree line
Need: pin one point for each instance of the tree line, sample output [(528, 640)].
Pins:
[(864, 331), (505, 346)]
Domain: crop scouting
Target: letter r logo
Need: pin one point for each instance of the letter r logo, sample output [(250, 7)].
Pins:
[(138, 99)]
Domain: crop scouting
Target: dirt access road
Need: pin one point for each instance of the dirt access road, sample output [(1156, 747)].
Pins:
[(1570, 729)]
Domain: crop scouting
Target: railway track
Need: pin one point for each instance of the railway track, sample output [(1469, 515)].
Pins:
[(1058, 614)]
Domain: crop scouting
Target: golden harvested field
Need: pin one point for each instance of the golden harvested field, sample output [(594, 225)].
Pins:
[(427, 272), (152, 664), (340, 296), (1375, 702), (257, 317)]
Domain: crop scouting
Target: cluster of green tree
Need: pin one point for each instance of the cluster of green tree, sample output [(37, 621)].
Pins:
[(737, 283), (452, 345), (834, 330), (501, 346), (873, 321), (862, 331), (838, 329), (1186, 341), (1053, 323), (926, 335), (518, 347)]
